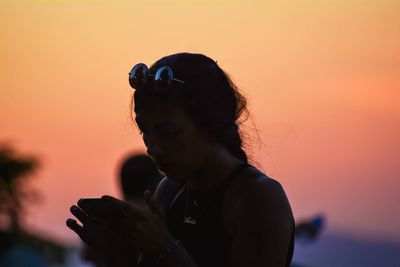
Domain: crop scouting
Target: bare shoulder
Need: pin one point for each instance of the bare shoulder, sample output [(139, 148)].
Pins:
[(259, 220), (263, 190), (254, 184), (255, 193)]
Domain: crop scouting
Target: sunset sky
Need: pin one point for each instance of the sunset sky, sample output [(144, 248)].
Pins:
[(322, 79)]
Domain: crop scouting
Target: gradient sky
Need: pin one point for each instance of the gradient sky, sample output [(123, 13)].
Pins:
[(322, 79)]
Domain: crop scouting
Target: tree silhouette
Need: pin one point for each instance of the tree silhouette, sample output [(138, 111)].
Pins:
[(14, 171)]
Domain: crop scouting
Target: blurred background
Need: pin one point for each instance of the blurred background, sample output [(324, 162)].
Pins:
[(322, 79)]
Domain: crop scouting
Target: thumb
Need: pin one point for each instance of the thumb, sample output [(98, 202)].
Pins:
[(152, 203)]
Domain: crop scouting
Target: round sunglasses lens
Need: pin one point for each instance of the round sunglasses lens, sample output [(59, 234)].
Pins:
[(163, 78), (138, 75)]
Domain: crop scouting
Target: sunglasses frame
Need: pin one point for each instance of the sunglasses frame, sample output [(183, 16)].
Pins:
[(163, 78)]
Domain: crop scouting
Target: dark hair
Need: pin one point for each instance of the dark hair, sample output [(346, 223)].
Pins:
[(138, 173), (208, 95)]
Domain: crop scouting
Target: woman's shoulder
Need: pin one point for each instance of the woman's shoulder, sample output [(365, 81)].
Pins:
[(260, 188), (254, 192), (252, 180)]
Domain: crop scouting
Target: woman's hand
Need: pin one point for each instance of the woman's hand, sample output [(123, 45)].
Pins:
[(145, 229), (97, 234), (93, 231), (134, 229)]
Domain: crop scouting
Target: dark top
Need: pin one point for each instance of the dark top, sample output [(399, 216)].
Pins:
[(204, 235)]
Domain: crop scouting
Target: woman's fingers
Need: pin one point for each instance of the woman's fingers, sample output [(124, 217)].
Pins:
[(92, 233), (128, 210), (79, 214), (120, 224), (154, 206), (74, 226)]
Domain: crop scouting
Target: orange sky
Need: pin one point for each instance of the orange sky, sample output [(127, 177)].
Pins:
[(323, 82)]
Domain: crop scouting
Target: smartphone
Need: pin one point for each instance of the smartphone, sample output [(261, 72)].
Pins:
[(100, 208)]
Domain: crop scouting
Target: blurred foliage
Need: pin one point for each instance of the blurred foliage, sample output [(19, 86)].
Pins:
[(15, 194), (14, 191)]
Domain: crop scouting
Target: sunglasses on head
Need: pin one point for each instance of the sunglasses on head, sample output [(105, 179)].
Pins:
[(162, 79)]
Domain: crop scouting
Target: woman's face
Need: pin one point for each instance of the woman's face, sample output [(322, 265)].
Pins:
[(178, 146)]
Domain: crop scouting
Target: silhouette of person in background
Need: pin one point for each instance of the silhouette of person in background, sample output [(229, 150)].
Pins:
[(137, 173), (225, 211), (307, 231)]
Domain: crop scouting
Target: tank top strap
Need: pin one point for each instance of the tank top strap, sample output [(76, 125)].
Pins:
[(231, 177), (220, 188)]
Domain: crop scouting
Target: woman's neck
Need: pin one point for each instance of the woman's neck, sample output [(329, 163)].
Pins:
[(216, 166)]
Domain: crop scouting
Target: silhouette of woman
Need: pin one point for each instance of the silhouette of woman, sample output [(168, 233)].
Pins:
[(223, 211)]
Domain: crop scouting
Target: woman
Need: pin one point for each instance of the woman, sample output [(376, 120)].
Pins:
[(222, 211)]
